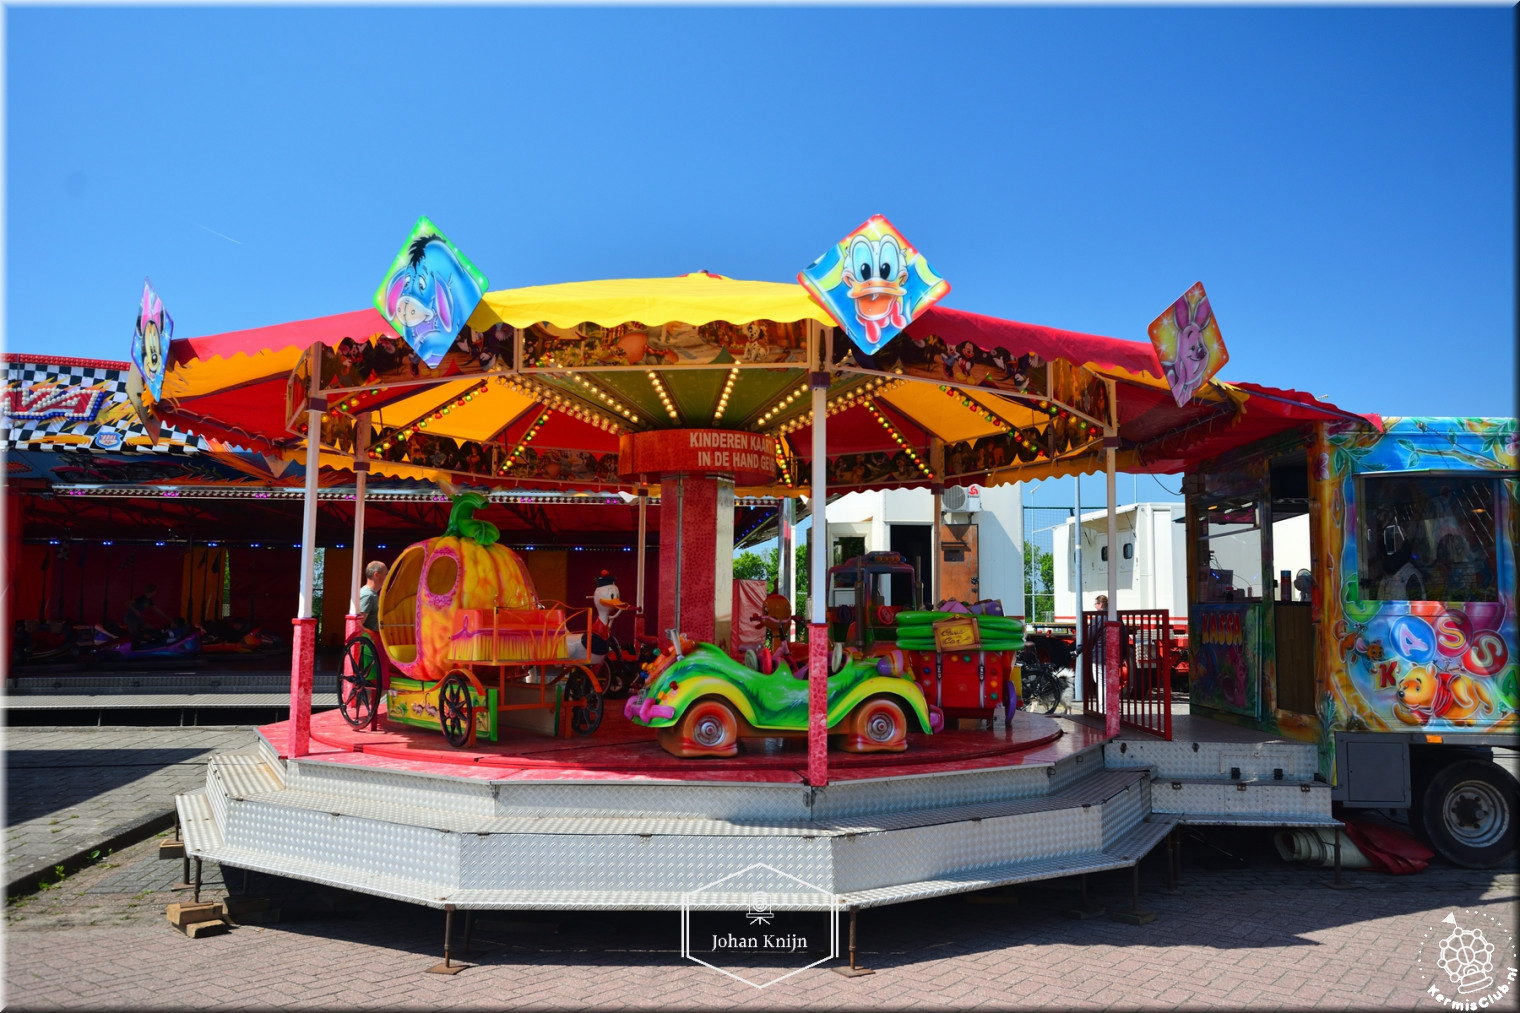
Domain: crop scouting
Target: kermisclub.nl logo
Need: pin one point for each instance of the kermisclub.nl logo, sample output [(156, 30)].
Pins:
[(1468, 961)]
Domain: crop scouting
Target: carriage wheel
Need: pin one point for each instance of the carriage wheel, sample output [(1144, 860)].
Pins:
[(359, 689), (456, 716), (586, 717), (615, 675)]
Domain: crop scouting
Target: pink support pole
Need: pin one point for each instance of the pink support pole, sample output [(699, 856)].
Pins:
[(1113, 658), (818, 704), (303, 650)]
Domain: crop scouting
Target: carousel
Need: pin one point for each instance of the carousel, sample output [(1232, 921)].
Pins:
[(496, 749)]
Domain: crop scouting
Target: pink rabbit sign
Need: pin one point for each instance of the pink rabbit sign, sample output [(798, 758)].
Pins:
[(1188, 344)]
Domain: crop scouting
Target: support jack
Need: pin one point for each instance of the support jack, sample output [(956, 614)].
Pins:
[(1135, 915), (448, 966), (1084, 909), (854, 970)]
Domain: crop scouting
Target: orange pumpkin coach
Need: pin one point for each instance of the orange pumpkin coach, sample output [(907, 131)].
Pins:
[(464, 643)]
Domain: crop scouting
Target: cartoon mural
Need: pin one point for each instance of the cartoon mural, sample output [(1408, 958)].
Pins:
[(669, 344), (1188, 343), (1225, 672), (1419, 528), (873, 283), (429, 292), (151, 333)]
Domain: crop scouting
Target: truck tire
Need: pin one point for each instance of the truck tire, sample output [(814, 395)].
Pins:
[(1466, 811)]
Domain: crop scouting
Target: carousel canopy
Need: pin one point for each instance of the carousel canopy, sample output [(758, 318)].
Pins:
[(544, 381)]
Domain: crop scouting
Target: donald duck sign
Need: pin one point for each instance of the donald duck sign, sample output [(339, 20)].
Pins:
[(873, 283)]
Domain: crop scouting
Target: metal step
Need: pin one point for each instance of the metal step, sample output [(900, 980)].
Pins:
[(432, 855), (1223, 802), (1295, 761)]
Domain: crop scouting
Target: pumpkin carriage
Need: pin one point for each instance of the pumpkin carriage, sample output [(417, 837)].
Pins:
[(465, 645)]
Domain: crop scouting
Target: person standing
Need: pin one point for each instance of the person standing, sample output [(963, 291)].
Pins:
[(369, 594)]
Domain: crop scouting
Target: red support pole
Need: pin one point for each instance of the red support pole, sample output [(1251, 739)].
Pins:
[(818, 703), (303, 652), (1113, 657)]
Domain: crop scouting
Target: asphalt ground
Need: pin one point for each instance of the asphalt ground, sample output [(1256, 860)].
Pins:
[(1246, 931)]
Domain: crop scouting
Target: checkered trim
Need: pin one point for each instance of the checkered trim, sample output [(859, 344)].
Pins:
[(114, 413)]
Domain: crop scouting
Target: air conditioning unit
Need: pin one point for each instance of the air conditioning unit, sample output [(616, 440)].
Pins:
[(961, 499)]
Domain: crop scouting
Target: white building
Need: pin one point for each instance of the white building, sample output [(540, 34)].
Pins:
[(981, 545)]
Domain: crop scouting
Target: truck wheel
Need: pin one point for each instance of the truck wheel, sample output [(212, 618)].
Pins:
[(1467, 813)]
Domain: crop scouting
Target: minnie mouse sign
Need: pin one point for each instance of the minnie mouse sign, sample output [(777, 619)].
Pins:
[(1188, 344)]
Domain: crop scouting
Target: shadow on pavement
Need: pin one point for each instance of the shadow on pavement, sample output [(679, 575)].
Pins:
[(40, 781)]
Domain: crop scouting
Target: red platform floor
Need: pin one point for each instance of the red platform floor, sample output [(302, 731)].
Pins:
[(622, 751)]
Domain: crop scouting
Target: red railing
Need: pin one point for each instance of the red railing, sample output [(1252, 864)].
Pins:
[(1145, 673)]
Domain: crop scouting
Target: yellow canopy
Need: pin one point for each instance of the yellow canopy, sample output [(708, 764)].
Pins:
[(698, 298)]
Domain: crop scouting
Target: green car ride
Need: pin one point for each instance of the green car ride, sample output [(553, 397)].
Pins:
[(703, 702)]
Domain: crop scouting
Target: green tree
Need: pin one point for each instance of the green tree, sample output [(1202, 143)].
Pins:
[(767, 567), (1039, 583)]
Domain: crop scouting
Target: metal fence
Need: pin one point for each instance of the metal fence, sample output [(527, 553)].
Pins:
[(1145, 673), (1040, 523)]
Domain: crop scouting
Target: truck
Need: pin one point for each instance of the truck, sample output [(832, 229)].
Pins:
[(1388, 638)]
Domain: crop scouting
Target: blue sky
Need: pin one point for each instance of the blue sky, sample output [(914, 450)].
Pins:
[(1341, 180)]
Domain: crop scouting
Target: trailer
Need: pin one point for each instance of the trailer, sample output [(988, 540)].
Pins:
[(1391, 643)]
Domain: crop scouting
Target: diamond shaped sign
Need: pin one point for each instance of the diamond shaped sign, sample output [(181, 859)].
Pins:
[(873, 283), (1188, 344), (151, 334), (429, 292)]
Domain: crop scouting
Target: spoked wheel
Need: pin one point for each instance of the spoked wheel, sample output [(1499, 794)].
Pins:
[(615, 675), (586, 715), (455, 715), (1042, 690), (359, 690)]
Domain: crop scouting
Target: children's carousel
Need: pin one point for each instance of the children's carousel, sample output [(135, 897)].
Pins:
[(498, 750)]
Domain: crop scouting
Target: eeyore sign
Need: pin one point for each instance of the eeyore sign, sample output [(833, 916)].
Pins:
[(429, 292)]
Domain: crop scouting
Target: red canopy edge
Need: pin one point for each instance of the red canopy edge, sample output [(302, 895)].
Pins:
[(302, 334), (1092, 350)]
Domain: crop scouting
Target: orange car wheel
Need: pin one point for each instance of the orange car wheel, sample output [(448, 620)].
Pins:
[(708, 728), (877, 725)]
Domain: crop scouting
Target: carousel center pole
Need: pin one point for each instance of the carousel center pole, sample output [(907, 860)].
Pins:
[(354, 621), (818, 629), (638, 592), (303, 642), (1113, 656)]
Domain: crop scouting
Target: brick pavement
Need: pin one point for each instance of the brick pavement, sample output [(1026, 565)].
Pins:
[(69, 789), (1270, 934)]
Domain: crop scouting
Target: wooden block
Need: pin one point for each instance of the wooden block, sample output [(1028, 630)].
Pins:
[(171, 848), (197, 929), (180, 915)]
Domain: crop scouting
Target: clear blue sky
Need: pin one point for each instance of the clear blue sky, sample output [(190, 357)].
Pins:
[(1342, 181)]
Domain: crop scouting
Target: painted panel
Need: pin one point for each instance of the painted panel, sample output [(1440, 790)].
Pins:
[(1437, 666), (1226, 645)]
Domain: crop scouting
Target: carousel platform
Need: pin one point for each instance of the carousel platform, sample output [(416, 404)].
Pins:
[(610, 821)]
